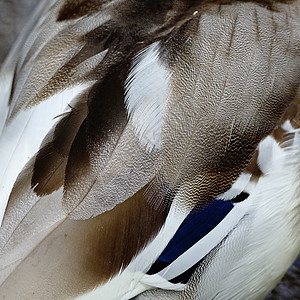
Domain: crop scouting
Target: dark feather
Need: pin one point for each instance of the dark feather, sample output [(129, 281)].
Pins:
[(96, 139), (51, 160)]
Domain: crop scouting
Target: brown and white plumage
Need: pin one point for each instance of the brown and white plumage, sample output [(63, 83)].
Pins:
[(123, 116)]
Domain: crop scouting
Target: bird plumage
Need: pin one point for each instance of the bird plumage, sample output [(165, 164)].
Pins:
[(127, 124)]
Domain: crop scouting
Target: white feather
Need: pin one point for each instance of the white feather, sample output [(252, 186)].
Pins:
[(6, 79), (147, 89), (268, 149), (287, 126)]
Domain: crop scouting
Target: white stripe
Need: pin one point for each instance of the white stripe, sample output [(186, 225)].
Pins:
[(238, 187), (6, 79), (152, 281), (204, 246), (157, 281)]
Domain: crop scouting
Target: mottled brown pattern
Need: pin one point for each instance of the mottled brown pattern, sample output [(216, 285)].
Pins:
[(133, 26), (293, 113), (229, 146), (283, 137)]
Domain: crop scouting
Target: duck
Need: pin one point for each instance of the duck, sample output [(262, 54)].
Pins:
[(150, 150)]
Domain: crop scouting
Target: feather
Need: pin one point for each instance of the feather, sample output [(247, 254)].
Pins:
[(146, 96), (10, 67), (223, 127), (51, 160), (30, 125), (169, 110)]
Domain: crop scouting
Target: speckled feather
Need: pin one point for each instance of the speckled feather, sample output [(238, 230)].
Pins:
[(93, 195)]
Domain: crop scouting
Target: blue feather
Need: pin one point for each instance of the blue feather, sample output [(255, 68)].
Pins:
[(195, 226)]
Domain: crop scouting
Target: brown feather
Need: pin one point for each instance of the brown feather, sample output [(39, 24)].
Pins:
[(223, 124), (51, 160), (73, 9), (97, 137), (77, 255)]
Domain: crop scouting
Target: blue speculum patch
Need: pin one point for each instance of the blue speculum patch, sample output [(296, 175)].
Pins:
[(195, 226)]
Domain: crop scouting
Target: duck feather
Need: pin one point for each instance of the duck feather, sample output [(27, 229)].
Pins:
[(101, 192)]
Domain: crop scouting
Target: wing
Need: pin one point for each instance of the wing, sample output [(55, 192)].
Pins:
[(225, 250), (157, 103)]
